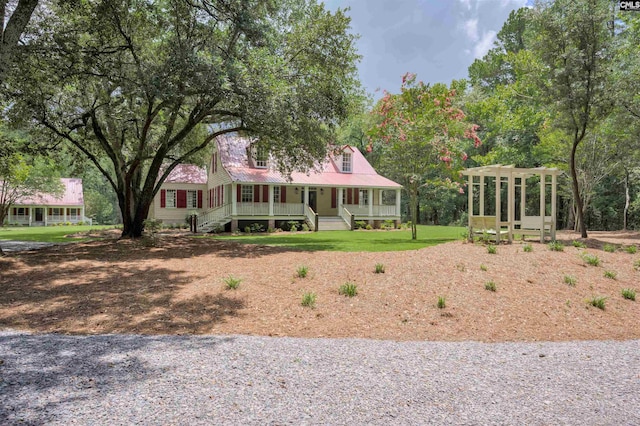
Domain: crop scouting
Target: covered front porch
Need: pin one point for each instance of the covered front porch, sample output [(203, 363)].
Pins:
[(45, 215), (312, 204)]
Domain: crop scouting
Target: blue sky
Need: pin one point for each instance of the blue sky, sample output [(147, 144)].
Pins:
[(436, 39)]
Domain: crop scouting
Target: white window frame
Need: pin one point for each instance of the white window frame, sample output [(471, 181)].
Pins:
[(344, 196), (364, 197), (21, 211), (347, 162), (276, 194), (170, 200), (246, 194), (261, 157), (192, 199)]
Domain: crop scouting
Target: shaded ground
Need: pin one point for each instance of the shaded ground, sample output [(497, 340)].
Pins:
[(177, 288)]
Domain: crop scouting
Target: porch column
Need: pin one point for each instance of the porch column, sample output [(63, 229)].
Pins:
[(542, 207), (46, 215), (481, 195), (64, 214), (370, 201), (511, 191), (30, 214), (270, 200), (469, 199), (554, 182), (9, 216), (81, 213), (398, 202), (306, 195), (498, 205), (339, 203), (234, 199)]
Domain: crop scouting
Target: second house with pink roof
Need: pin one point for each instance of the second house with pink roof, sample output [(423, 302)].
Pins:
[(242, 187)]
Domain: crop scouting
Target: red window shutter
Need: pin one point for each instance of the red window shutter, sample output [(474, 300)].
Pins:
[(239, 193), (163, 198), (15, 211), (26, 211), (50, 211), (283, 194), (334, 198), (256, 193), (221, 195), (348, 195), (356, 196), (265, 193), (182, 198), (199, 198)]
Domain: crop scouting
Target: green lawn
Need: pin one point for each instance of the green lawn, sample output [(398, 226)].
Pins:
[(355, 240), (48, 234)]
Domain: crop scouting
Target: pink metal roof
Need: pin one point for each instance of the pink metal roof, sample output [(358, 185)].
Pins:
[(187, 173), (72, 195), (233, 154)]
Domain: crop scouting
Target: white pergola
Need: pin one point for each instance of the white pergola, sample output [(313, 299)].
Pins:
[(512, 177)]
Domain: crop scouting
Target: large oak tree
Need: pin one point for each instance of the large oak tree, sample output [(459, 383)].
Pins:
[(149, 85)]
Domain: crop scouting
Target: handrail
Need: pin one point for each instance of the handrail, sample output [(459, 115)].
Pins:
[(214, 215), (311, 216), (346, 216)]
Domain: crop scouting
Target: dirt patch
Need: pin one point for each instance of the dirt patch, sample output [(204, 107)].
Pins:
[(177, 288)]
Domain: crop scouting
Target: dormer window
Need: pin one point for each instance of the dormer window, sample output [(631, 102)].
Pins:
[(347, 166), (260, 156)]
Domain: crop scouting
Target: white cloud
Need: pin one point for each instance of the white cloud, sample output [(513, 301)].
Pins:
[(466, 3), (486, 42), (471, 29)]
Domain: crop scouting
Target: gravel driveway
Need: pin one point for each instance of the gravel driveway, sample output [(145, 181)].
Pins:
[(162, 380)]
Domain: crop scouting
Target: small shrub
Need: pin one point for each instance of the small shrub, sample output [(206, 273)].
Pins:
[(256, 227), (556, 246), (578, 244), (309, 299), (232, 282), (609, 248), (293, 228), (270, 230), (591, 259), (304, 227), (491, 249), (636, 265), (442, 303), (379, 268), (599, 302), (302, 271), (368, 227), (491, 286), (293, 225), (629, 293), (631, 249), (348, 289), (570, 280), (610, 274), (360, 224), (527, 248), (247, 229), (483, 267)]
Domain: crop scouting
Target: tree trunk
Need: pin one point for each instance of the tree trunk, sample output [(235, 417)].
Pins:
[(576, 190), (627, 199), (134, 212)]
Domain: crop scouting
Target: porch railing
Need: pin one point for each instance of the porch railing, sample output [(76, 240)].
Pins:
[(312, 217), (377, 211), (346, 216), (288, 209), (213, 216)]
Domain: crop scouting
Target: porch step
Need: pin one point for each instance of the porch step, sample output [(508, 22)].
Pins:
[(332, 223)]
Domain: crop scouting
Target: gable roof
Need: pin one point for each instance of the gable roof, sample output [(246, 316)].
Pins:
[(72, 195), (233, 154), (187, 173)]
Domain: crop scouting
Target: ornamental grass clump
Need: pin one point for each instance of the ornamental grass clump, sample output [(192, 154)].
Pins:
[(527, 248), (491, 286), (570, 280), (442, 303), (610, 274), (491, 249), (578, 244), (599, 302), (629, 293), (609, 248), (348, 289), (556, 246), (379, 268), (631, 249), (591, 259), (309, 299), (232, 282), (302, 271)]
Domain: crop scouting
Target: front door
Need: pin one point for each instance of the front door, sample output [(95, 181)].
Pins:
[(313, 200), (39, 214)]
